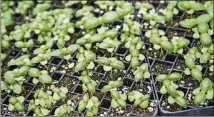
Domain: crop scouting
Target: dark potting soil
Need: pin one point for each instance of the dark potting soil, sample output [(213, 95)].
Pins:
[(161, 68), (190, 82), (113, 75), (157, 54), (68, 82), (72, 99), (77, 114), (99, 95), (119, 112), (144, 88), (66, 67), (175, 32), (26, 89), (129, 110), (102, 112), (46, 67), (97, 77), (180, 64)]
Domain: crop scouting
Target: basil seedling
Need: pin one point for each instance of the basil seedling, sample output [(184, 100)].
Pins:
[(109, 63), (139, 99), (134, 47), (141, 72), (65, 52), (118, 99), (23, 60), (205, 91), (13, 80), (16, 104), (175, 96), (43, 101), (90, 103), (41, 7), (23, 6), (63, 110), (39, 76), (88, 83), (85, 60), (112, 85), (24, 45), (3, 57)]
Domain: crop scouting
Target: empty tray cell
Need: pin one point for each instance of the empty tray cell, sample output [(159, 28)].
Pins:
[(12, 67), (56, 76), (30, 96), (102, 52), (144, 88), (190, 38), (105, 103), (77, 114), (3, 95), (127, 82), (55, 61), (102, 111), (54, 46), (175, 32), (14, 53), (174, 22), (69, 82), (77, 74), (170, 57), (121, 50), (99, 94), (78, 89), (158, 85), (147, 46), (47, 67), (119, 112), (190, 82), (161, 67), (97, 77), (114, 75), (159, 95), (6, 101), (27, 88), (179, 63), (155, 54), (67, 67)]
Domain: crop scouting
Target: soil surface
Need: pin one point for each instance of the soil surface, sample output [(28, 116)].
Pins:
[(69, 82), (161, 67)]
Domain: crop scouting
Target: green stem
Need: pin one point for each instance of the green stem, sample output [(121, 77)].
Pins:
[(46, 67), (161, 52), (67, 62), (43, 85), (111, 74), (141, 84)]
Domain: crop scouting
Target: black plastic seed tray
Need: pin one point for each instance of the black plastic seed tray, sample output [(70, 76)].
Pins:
[(63, 77)]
